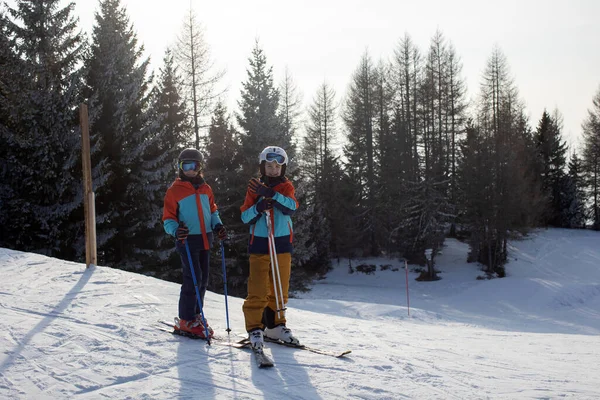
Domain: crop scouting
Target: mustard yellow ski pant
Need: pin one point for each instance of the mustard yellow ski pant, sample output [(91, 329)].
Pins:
[(261, 290)]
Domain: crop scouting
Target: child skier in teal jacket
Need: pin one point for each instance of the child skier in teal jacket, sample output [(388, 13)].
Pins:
[(272, 196)]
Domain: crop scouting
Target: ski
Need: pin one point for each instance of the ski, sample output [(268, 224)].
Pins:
[(186, 334), (311, 349), (262, 360), (216, 340)]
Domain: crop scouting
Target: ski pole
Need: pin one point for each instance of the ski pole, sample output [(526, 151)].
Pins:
[(407, 298), (275, 267), (187, 248), (225, 285)]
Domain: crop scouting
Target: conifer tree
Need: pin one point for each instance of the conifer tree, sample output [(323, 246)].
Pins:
[(9, 67), (591, 159), (443, 107), (222, 173), (388, 161), (170, 109), (455, 116), (261, 123), (319, 182), (506, 139), (193, 57), (551, 151), (118, 89), (42, 131), (433, 109), (425, 212), (359, 119), (290, 111), (167, 137), (573, 196), (223, 163), (474, 179), (406, 74)]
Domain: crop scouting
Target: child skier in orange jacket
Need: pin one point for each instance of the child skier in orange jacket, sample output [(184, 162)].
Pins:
[(190, 214)]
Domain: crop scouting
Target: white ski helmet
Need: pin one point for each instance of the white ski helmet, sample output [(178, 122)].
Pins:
[(270, 154)]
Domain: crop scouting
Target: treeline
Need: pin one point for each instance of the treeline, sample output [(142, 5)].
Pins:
[(418, 163)]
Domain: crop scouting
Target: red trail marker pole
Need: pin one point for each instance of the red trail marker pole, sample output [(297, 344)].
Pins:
[(407, 297)]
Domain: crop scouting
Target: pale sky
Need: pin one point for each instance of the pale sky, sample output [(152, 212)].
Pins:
[(552, 47)]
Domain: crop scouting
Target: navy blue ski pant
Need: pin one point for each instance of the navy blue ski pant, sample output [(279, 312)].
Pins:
[(188, 304)]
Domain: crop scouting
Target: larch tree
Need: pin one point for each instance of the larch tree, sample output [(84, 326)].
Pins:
[(318, 183), (200, 77), (290, 109), (406, 73), (507, 139), (455, 115)]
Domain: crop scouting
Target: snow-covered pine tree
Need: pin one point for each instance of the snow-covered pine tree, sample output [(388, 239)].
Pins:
[(9, 67), (259, 118), (118, 91), (43, 98)]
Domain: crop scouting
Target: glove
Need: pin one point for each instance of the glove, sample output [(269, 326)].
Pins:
[(221, 232), (266, 204), (257, 187), (182, 232)]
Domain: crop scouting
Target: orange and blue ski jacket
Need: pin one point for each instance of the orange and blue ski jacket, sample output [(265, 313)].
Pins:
[(193, 206), (285, 204)]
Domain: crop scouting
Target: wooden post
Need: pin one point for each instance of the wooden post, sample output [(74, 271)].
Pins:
[(89, 202)]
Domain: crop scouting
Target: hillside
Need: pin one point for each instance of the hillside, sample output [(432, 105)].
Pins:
[(71, 332)]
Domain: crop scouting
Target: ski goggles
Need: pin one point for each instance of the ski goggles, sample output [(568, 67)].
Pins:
[(278, 158), (189, 165)]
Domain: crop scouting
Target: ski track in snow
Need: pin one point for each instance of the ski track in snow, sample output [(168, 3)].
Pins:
[(71, 332)]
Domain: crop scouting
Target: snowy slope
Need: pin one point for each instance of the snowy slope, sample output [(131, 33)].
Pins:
[(71, 332)]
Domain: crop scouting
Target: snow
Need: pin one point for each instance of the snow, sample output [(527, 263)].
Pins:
[(68, 331)]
